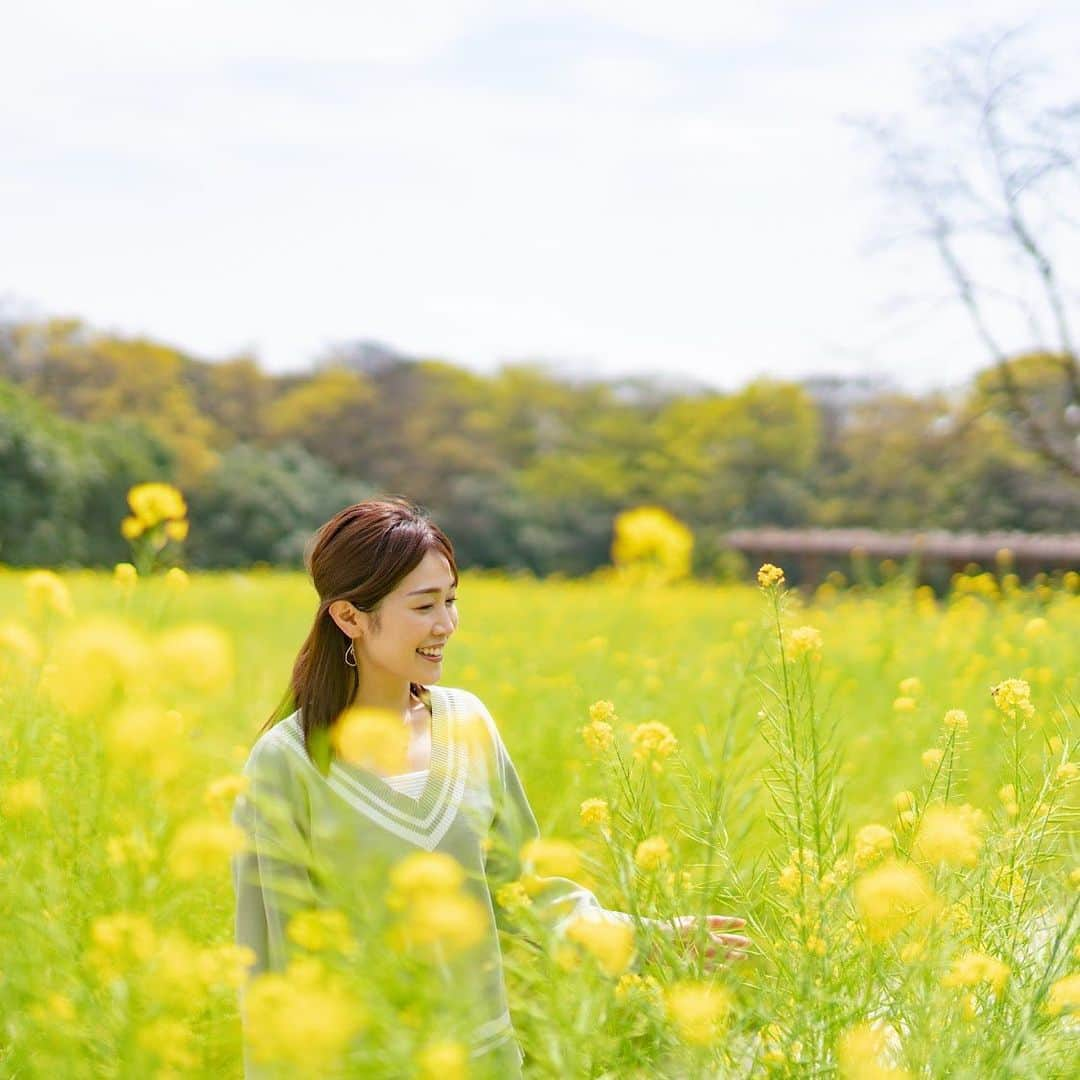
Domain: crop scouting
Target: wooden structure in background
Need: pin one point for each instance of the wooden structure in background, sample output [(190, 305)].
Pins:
[(809, 553)]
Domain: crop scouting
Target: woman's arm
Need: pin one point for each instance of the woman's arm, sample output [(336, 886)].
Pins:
[(562, 901), (558, 900), (271, 878)]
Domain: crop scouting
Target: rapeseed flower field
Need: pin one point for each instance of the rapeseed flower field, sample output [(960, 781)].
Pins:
[(882, 782)]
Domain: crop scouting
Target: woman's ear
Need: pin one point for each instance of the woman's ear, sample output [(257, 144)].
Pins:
[(348, 619)]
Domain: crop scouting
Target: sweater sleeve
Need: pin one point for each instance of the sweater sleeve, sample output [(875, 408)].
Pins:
[(558, 901), (271, 876)]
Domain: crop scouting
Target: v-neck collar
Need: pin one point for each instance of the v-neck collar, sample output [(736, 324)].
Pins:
[(422, 821)]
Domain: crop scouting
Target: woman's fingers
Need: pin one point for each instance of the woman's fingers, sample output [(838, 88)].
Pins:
[(733, 921), (731, 939)]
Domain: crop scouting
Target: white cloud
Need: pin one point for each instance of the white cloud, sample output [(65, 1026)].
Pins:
[(674, 190)]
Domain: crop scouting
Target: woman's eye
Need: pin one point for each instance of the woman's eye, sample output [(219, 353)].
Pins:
[(427, 607)]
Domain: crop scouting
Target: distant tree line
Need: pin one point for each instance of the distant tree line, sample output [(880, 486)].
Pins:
[(523, 468)]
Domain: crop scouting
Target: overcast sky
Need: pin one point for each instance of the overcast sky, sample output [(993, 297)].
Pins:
[(632, 186)]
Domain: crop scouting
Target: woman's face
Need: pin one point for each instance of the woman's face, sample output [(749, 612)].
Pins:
[(420, 613)]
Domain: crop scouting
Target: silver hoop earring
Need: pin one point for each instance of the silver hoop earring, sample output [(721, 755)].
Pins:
[(352, 662)]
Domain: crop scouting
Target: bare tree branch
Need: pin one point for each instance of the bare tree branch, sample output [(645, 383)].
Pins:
[(1019, 155)]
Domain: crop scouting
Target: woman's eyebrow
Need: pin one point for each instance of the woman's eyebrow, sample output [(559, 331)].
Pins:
[(432, 589)]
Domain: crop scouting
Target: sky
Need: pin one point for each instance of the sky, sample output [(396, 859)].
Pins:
[(611, 185)]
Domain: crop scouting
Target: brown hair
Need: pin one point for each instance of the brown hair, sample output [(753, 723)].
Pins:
[(359, 555)]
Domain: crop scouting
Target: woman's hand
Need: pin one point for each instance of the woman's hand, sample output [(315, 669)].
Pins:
[(719, 947)]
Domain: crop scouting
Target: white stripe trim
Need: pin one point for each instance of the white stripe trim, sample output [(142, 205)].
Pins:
[(424, 834), (487, 1036)]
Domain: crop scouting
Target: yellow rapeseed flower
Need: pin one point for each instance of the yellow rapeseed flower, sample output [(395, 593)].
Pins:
[(602, 710), (904, 704), (633, 985), (653, 739), (805, 639), (455, 921), (226, 966), (300, 1018), (132, 848), (932, 758), (443, 1060), (652, 853), (651, 540), (125, 576), (871, 843), (22, 797), (551, 858), (769, 575), (371, 738), (1012, 696), (176, 530), (221, 793), (911, 686), (120, 942), (423, 873), (46, 592), (955, 720), (197, 655), (177, 580), (859, 1053), (598, 735), (320, 929), (889, 897), (975, 967), (103, 660), (610, 943), (131, 528), (1064, 995), (595, 813), (904, 800), (949, 834), (203, 847), (148, 739), (512, 896), (172, 1042), (1007, 795), (698, 1010), (152, 503), (18, 643)]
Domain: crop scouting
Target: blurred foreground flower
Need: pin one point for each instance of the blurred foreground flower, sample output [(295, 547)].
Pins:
[(443, 1060), (22, 797), (860, 1052), (104, 660), (975, 967), (805, 640), (698, 1010), (204, 847), (46, 592), (949, 834), (889, 897), (302, 1018), (198, 656), (610, 943), (371, 739)]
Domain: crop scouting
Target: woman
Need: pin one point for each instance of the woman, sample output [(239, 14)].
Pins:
[(387, 582)]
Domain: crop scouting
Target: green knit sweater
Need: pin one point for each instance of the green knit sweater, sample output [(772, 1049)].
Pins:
[(302, 825)]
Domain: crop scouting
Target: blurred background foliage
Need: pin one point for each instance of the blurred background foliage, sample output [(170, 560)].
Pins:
[(525, 468)]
